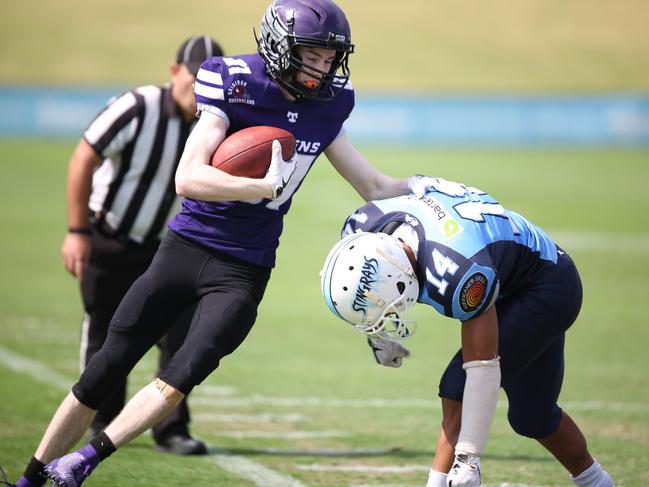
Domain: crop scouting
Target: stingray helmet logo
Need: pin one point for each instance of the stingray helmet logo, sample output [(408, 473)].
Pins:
[(473, 292), (369, 275)]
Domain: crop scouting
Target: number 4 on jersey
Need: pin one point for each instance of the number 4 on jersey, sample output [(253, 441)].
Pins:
[(443, 265)]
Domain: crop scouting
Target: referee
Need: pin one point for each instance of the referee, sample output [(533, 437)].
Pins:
[(120, 194)]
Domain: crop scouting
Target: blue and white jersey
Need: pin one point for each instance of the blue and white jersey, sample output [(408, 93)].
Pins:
[(470, 250), (239, 90)]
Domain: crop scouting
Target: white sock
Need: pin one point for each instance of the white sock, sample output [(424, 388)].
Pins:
[(593, 476), (436, 479)]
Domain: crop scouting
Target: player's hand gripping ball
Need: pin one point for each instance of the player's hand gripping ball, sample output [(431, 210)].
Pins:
[(248, 152)]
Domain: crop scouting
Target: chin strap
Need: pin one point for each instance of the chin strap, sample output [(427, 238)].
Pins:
[(396, 263), (478, 405)]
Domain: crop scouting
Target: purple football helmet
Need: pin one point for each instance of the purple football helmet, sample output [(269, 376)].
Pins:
[(313, 23)]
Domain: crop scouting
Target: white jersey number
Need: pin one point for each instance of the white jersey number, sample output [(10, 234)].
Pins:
[(236, 66), (475, 210), (443, 265)]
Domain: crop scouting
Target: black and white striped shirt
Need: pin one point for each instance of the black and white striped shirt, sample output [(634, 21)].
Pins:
[(141, 135)]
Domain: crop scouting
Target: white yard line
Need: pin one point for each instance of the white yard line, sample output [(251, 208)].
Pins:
[(293, 402), (325, 452), (604, 406), (385, 485), (285, 435), (254, 472), (600, 241), (214, 390), (365, 468), (505, 484), (248, 418), (300, 402), (382, 469), (38, 371)]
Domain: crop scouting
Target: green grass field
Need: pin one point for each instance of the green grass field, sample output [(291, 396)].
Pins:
[(302, 403)]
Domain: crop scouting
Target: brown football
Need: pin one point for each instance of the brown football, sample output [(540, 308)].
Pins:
[(247, 152)]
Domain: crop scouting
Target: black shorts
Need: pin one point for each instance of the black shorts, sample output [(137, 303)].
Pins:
[(227, 292), (531, 331)]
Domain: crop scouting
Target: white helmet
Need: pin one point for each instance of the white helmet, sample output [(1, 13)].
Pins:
[(368, 281)]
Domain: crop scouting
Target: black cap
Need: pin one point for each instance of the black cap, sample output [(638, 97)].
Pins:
[(195, 50)]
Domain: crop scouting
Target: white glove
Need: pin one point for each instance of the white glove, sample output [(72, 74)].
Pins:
[(389, 353), (280, 171), (465, 471), (420, 185)]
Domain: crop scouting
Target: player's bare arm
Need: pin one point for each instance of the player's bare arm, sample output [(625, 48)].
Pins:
[(196, 179), (479, 345), (482, 366), (480, 336), (368, 181), (76, 244)]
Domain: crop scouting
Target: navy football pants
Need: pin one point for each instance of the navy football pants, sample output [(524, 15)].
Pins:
[(531, 327), (227, 292)]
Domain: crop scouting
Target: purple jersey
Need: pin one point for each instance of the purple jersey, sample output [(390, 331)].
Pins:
[(239, 90)]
